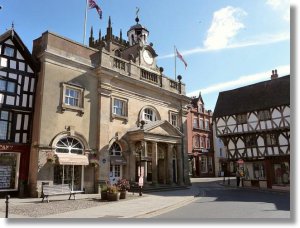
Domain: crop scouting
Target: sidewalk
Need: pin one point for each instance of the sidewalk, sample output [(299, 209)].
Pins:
[(145, 206)]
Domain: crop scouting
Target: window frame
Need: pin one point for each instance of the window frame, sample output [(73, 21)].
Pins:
[(251, 141), (6, 47), (124, 114), (8, 121), (271, 139), (241, 118), (264, 115), (69, 148), (65, 106), (174, 122)]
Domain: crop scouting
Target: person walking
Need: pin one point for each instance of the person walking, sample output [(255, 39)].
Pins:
[(238, 177)]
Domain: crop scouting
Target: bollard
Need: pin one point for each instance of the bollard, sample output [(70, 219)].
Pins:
[(6, 210)]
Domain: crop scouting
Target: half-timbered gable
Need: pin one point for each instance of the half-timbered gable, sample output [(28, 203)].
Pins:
[(17, 91), (17, 87), (254, 121)]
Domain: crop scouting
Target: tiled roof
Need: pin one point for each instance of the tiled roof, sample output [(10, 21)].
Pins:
[(259, 96)]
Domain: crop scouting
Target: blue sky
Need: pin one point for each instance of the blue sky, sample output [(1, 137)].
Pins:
[(226, 43)]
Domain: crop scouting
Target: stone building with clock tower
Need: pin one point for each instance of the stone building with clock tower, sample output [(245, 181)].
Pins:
[(106, 111)]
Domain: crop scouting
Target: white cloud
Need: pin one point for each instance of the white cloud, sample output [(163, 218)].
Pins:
[(255, 41), (225, 25), (242, 81), (282, 7)]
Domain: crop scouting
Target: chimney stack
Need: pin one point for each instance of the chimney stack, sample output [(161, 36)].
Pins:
[(274, 74)]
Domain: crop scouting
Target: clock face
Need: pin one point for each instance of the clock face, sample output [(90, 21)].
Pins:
[(147, 57)]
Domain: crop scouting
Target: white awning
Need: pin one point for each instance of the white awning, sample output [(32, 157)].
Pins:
[(72, 159)]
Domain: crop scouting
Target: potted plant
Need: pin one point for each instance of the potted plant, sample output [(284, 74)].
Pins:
[(104, 192), (112, 193), (123, 185)]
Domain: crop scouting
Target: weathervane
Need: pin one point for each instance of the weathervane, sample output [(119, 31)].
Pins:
[(137, 14)]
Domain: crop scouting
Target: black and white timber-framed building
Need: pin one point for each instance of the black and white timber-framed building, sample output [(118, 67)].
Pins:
[(254, 125), (17, 92)]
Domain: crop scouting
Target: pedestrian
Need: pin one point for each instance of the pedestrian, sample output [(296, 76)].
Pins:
[(238, 177)]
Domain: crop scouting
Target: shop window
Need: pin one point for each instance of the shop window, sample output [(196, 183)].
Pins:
[(69, 174), (258, 171), (210, 165), (9, 171), (204, 165), (282, 173)]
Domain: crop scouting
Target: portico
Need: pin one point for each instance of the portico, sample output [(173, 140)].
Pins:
[(160, 145)]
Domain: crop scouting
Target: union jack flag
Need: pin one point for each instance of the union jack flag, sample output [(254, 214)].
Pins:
[(93, 4)]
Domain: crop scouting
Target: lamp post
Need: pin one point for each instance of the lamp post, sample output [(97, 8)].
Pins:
[(140, 150)]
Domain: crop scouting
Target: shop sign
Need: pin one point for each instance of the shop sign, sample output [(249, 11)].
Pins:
[(4, 147)]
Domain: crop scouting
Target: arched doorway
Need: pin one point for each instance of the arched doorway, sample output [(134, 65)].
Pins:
[(66, 172)]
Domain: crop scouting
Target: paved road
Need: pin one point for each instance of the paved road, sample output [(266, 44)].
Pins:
[(215, 201)]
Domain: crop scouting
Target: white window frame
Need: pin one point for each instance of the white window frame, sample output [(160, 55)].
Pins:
[(79, 107), (174, 118), (71, 145), (117, 111)]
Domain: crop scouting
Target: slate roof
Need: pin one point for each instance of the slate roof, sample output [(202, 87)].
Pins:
[(259, 96)]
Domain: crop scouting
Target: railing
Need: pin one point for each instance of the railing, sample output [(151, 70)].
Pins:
[(119, 64), (150, 77), (173, 84)]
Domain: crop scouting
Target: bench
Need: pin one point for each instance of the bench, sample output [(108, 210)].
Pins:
[(57, 189)]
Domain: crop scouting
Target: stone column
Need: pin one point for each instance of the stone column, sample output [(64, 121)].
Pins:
[(154, 163), (179, 164), (170, 164), (145, 163), (132, 162)]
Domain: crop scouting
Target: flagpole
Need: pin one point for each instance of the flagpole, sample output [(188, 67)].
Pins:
[(85, 19), (175, 60)]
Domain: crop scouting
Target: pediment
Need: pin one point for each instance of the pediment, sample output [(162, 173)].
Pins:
[(163, 128)]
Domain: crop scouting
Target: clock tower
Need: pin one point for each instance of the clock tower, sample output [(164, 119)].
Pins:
[(138, 37)]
